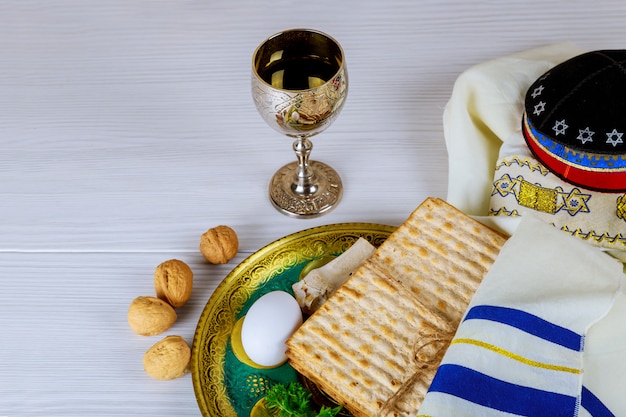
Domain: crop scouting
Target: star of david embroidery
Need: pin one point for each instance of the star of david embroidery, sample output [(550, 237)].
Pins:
[(537, 91), (504, 186), (614, 137), (574, 202), (539, 108), (560, 127), (585, 135)]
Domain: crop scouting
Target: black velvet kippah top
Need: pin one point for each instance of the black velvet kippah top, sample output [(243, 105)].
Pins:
[(575, 120)]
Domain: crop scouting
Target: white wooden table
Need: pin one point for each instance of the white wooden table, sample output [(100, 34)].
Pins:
[(127, 129)]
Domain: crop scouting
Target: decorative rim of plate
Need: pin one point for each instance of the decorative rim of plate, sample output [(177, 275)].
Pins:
[(225, 303)]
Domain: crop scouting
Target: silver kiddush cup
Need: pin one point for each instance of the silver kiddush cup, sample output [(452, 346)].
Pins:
[(299, 85)]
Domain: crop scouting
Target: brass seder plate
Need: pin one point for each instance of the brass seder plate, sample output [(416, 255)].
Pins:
[(224, 385)]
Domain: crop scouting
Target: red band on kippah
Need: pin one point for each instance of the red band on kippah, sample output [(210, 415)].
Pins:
[(593, 180)]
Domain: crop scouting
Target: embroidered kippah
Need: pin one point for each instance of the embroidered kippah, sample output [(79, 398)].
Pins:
[(575, 120)]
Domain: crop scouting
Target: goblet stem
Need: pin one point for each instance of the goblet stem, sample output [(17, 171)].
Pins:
[(305, 183)]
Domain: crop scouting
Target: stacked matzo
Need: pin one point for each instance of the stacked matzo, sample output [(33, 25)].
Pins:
[(374, 346)]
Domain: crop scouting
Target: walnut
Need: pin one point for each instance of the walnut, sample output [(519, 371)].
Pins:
[(149, 316), (219, 244), (173, 280), (168, 358)]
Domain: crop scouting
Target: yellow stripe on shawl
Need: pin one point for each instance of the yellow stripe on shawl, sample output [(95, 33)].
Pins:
[(515, 356)]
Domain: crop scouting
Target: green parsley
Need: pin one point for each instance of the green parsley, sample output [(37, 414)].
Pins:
[(294, 400)]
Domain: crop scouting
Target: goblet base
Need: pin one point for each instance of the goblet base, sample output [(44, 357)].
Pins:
[(289, 200)]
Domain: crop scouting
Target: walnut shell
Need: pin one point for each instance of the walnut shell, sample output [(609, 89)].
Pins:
[(168, 358), (173, 280), (149, 316), (219, 244)]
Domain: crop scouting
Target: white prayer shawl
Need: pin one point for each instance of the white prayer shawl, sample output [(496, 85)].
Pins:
[(519, 350), (482, 124)]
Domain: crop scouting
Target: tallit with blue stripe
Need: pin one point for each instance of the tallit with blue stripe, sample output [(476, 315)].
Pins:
[(519, 350)]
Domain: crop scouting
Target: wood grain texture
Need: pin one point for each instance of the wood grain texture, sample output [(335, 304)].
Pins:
[(127, 129)]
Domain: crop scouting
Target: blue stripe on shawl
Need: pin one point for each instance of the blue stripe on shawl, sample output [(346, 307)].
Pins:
[(528, 323), (593, 405), (490, 392)]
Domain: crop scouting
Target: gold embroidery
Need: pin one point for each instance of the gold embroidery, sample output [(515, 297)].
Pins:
[(537, 197), (562, 199), (543, 199), (620, 207), (502, 211), (532, 164), (515, 356), (573, 202), (505, 186), (605, 238)]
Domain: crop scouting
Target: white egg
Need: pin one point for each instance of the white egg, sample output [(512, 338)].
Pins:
[(267, 325)]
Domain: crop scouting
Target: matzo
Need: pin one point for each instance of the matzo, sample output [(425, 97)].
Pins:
[(374, 346)]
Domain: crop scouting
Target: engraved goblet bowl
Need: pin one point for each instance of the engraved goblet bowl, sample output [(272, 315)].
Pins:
[(299, 85)]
